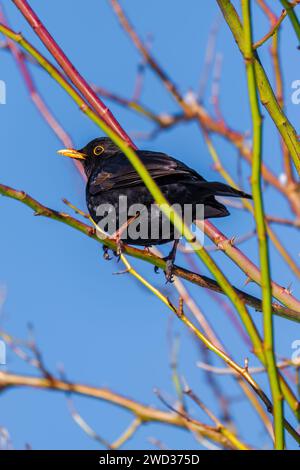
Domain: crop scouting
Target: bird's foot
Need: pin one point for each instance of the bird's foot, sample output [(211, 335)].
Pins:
[(118, 252), (106, 255), (169, 271), (170, 259), (120, 248)]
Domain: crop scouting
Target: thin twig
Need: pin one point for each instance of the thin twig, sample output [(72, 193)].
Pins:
[(273, 30), (223, 429), (252, 370)]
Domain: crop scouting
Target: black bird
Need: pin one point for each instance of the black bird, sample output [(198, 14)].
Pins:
[(111, 175)]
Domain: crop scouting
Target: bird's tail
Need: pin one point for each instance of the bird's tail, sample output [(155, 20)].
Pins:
[(220, 189)]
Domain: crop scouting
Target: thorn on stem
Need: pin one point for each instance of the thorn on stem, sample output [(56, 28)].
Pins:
[(179, 310), (288, 290), (125, 271), (247, 281), (232, 240)]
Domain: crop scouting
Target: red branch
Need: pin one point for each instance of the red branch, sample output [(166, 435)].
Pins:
[(36, 98), (71, 72)]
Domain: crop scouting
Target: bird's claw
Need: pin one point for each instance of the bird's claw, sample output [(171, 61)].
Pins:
[(169, 271), (170, 259), (118, 252), (106, 255), (120, 249)]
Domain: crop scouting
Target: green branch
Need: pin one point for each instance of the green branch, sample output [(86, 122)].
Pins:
[(289, 6), (261, 229), (266, 92)]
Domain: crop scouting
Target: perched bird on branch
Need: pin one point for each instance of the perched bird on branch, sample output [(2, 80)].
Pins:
[(117, 197)]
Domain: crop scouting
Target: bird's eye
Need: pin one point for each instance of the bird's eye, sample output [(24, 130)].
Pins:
[(98, 150)]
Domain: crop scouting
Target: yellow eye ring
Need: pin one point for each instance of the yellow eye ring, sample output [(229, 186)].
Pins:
[(98, 150)]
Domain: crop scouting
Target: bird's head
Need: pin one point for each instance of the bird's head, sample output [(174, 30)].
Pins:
[(91, 154)]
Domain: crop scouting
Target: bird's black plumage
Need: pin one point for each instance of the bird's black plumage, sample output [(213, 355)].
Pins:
[(110, 175)]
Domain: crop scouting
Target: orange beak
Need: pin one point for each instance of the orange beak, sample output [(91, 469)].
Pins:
[(71, 153)]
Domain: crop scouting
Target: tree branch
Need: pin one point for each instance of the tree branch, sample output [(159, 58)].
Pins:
[(71, 72), (289, 6), (201, 281), (267, 96), (143, 412), (261, 228)]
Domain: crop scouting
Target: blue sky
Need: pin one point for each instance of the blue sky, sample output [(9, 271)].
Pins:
[(107, 330)]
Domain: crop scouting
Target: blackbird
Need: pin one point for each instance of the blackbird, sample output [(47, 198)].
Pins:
[(110, 176)]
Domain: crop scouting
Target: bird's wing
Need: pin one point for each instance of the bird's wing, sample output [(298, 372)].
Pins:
[(118, 173)]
